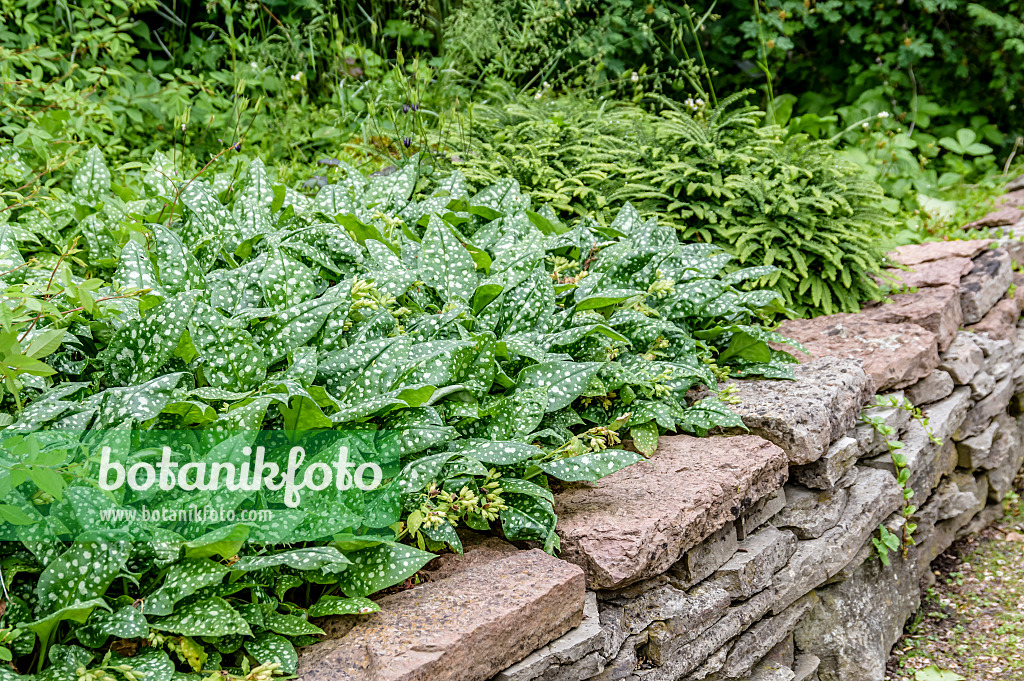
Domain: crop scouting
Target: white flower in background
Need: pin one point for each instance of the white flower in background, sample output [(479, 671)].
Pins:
[(547, 85), (297, 77), (537, 96), (253, 65), (635, 77), (883, 114)]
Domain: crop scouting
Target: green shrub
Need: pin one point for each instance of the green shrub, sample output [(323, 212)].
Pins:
[(472, 347), (717, 175)]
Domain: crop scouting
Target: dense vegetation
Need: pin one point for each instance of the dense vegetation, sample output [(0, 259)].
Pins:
[(491, 248)]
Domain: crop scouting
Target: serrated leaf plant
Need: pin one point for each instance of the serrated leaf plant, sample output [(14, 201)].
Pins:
[(473, 348)]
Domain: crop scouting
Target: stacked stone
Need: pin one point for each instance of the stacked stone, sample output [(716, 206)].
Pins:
[(747, 555)]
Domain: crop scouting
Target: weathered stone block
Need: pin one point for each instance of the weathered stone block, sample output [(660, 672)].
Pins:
[(675, 660), (945, 272), (467, 627), (759, 514), (981, 385), (1001, 321), (976, 452), (979, 416), (584, 644), (856, 621), (805, 668), (829, 469), (872, 498), (962, 359), (931, 388), (946, 416), (893, 355), (804, 416), (809, 513), (755, 643), (1000, 217), (703, 559), (935, 309), (1007, 446), (693, 610), (640, 520), (758, 557), (926, 461), (985, 284), (938, 250)]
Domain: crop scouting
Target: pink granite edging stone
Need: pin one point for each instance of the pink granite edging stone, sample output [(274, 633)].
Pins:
[(466, 627), (640, 520)]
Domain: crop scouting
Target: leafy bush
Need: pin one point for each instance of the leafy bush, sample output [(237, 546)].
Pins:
[(472, 347), (717, 175)]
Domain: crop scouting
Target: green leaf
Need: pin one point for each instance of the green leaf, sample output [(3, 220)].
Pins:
[(933, 673), (381, 566), (80, 574), (286, 282), (445, 263), (92, 181), (590, 467), (127, 622), (291, 625), (325, 558), (183, 579), (645, 437), (212, 617), (138, 350), (565, 381), (135, 270), (335, 605), (267, 647), (229, 355)]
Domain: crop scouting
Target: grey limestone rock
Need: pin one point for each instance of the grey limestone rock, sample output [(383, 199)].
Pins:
[(805, 668), (979, 416), (703, 559), (982, 384), (871, 499), (962, 359), (985, 284), (976, 451), (933, 387), (757, 558), (757, 641), (809, 513), (760, 513), (806, 415), (827, 471)]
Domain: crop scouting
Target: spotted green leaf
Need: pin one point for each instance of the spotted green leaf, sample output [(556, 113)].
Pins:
[(211, 617), (381, 566), (565, 381), (183, 579), (230, 357), (83, 572), (139, 350), (325, 558), (135, 270), (336, 605), (126, 622), (268, 647), (92, 181), (285, 281), (445, 263), (590, 467)]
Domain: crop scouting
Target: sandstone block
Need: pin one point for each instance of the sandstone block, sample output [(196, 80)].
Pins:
[(758, 557), (962, 359), (935, 309), (985, 284), (1014, 199), (1007, 215), (809, 513), (1015, 184), (893, 355), (873, 497), (945, 272), (938, 250), (931, 388), (829, 469), (467, 627), (578, 645), (640, 520), (804, 416)]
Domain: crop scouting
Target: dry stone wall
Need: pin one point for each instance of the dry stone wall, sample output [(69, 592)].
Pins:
[(746, 555)]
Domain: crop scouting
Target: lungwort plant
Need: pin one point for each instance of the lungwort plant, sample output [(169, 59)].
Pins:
[(474, 349)]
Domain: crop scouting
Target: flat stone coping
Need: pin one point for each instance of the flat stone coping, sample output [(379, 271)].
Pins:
[(638, 521), (509, 605)]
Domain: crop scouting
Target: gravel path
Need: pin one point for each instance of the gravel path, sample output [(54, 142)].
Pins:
[(971, 623)]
